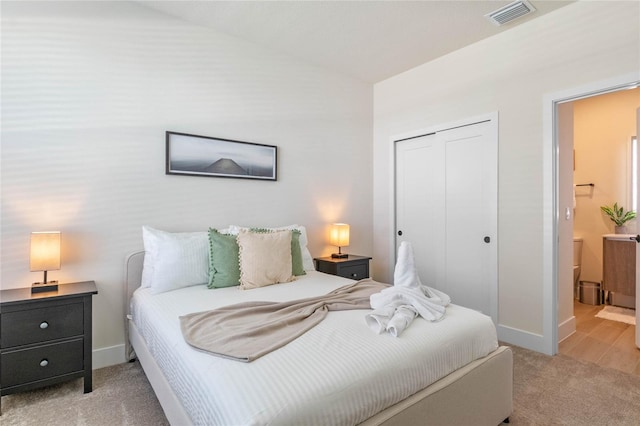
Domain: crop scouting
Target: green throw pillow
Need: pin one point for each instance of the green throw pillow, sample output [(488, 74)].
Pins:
[(297, 267), (224, 267), (296, 254)]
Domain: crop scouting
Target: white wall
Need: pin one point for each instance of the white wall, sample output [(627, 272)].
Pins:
[(509, 73), (88, 90)]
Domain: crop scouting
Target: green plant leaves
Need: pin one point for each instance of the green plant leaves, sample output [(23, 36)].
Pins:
[(617, 214)]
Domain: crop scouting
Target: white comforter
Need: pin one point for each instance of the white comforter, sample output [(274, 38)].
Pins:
[(337, 373)]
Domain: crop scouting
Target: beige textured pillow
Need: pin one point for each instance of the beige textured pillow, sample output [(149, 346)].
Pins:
[(265, 258)]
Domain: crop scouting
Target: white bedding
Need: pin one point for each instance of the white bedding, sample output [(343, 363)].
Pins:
[(340, 372)]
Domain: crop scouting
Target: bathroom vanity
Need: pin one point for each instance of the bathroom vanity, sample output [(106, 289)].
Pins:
[(619, 269)]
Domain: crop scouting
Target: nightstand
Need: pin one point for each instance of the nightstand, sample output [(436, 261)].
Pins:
[(354, 267), (45, 338)]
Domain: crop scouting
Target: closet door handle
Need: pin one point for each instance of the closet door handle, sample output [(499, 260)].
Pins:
[(487, 239)]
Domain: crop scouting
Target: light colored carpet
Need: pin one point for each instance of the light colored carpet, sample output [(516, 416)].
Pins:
[(560, 390), (616, 313), (121, 396), (547, 391)]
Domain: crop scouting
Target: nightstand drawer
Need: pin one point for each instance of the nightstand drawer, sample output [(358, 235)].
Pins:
[(41, 325), (30, 365), (355, 272), (354, 266)]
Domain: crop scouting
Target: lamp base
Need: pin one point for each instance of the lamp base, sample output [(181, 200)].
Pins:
[(339, 255), (44, 287)]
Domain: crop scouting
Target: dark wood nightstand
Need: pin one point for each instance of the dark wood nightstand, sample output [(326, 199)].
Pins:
[(45, 338), (354, 267)]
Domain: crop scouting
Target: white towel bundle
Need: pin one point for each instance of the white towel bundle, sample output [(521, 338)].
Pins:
[(378, 320), (401, 319), (396, 307)]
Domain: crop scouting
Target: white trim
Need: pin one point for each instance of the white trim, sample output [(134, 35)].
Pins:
[(392, 201), (567, 328), (550, 197), (637, 340), (443, 126), (105, 357), (632, 191), (549, 228), (522, 338)]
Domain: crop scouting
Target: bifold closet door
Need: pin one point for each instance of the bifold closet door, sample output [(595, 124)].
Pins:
[(446, 206)]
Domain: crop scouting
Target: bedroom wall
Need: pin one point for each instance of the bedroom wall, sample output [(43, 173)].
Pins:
[(509, 73), (88, 91)]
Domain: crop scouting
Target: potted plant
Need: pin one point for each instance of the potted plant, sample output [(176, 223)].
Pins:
[(618, 216)]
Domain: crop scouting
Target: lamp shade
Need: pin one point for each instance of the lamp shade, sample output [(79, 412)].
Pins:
[(339, 235), (45, 251)]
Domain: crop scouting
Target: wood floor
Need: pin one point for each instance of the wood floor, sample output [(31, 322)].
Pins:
[(604, 342)]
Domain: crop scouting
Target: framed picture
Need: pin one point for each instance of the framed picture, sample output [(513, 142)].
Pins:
[(195, 155)]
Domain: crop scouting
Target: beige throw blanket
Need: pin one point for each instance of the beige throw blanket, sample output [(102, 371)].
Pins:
[(246, 331)]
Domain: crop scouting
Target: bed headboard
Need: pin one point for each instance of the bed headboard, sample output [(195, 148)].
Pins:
[(132, 279)]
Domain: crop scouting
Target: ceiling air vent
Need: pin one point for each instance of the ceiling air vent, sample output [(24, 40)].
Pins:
[(510, 12)]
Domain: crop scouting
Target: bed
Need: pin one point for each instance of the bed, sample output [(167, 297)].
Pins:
[(340, 372)]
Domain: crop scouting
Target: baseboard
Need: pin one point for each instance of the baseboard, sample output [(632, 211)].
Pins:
[(524, 339), (105, 357), (566, 329)]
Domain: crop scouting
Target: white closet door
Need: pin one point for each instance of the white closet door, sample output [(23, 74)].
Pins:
[(470, 220), (446, 206), (417, 197)]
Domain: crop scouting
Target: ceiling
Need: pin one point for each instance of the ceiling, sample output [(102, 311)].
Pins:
[(368, 40)]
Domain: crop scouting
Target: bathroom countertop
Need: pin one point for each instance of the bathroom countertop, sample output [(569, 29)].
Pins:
[(619, 236)]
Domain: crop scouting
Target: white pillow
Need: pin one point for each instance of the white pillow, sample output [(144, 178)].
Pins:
[(265, 258), (174, 260), (307, 260)]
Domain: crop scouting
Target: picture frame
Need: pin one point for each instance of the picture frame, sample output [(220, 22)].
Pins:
[(196, 155)]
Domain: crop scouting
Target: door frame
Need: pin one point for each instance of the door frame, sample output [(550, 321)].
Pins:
[(637, 177), (491, 117), (550, 192)]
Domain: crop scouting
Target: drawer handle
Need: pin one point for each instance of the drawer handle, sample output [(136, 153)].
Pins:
[(44, 325), (44, 362), (354, 275)]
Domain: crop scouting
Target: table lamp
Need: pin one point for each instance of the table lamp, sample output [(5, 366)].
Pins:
[(339, 236), (45, 256)]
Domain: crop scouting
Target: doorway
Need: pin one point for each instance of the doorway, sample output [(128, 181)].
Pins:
[(560, 206), (598, 167)]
